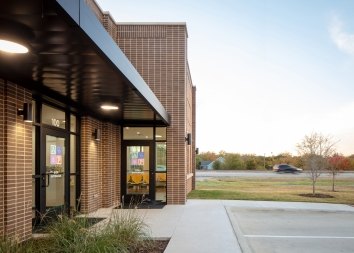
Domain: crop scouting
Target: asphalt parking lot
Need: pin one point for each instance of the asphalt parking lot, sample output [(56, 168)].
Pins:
[(293, 227)]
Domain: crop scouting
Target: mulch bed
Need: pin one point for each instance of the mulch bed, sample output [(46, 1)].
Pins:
[(316, 195), (158, 247)]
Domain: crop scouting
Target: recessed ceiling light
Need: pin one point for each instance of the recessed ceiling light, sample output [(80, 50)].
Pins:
[(15, 37), (12, 47), (109, 107)]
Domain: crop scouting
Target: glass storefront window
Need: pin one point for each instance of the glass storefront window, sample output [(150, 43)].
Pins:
[(73, 193), (160, 133), (72, 153), (34, 115), (138, 133), (33, 150), (160, 156), (161, 169), (33, 198), (53, 117), (72, 123), (138, 169)]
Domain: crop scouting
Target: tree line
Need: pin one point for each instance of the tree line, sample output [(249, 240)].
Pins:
[(237, 161), (316, 154)]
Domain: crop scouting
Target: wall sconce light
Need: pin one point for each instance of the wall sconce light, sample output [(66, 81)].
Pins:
[(197, 151), (97, 134), (189, 139), (14, 37), (26, 112)]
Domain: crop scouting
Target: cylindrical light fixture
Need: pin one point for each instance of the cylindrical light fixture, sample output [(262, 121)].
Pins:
[(26, 112), (189, 138), (97, 134)]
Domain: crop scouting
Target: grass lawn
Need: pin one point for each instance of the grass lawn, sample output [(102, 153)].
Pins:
[(274, 189)]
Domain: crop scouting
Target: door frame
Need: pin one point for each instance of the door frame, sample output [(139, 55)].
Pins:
[(152, 190), (41, 186)]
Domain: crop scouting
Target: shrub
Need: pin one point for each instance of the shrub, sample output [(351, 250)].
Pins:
[(9, 246), (124, 232)]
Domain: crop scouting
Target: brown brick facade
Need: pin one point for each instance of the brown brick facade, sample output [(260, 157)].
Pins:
[(159, 53), (16, 163), (111, 146), (100, 165)]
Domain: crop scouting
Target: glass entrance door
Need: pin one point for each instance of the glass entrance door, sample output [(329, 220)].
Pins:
[(54, 173), (138, 173), (53, 176)]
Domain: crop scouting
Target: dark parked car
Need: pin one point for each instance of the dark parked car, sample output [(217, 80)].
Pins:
[(286, 168)]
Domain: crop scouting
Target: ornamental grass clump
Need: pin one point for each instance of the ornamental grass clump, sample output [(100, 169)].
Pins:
[(128, 231), (123, 232), (9, 246)]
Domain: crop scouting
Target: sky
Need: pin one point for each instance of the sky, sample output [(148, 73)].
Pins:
[(267, 72)]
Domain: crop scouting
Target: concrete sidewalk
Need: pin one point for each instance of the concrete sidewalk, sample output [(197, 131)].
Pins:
[(200, 226), (213, 226)]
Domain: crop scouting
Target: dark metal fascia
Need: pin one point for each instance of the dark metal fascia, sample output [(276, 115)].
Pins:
[(82, 15)]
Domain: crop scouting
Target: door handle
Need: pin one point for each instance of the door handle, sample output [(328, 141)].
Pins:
[(45, 180)]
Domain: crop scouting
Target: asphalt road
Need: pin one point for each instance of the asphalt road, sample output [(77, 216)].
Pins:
[(205, 174), (266, 227)]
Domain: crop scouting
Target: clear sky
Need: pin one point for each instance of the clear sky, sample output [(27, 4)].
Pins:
[(267, 71)]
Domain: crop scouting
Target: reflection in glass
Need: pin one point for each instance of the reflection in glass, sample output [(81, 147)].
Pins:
[(53, 117), (33, 150), (55, 172), (138, 133), (160, 134), (33, 198), (138, 170), (72, 123), (34, 111), (161, 169), (72, 153), (73, 193)]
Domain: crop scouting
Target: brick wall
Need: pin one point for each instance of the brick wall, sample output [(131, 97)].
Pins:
[(16, 163), (111, 164), (91, 166), (158, 52), (2, 156), (100, 165)]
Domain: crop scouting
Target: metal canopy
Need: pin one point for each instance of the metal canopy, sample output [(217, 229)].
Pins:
[(74, 60)]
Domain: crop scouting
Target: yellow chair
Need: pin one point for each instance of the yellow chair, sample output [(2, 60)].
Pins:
[(160, 179), (146, 177), (137, 178)]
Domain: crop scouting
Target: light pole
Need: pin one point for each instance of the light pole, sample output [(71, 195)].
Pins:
[(264, 161)]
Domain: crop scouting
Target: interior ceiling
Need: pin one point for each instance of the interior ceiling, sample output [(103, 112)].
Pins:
[(65, 64)]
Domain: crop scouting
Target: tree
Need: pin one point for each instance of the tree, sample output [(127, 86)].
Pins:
[(315, 149), (336, 164), (233, 162), (208, 156), (217, 165)]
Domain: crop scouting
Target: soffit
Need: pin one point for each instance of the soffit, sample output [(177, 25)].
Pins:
[(74, 60)]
